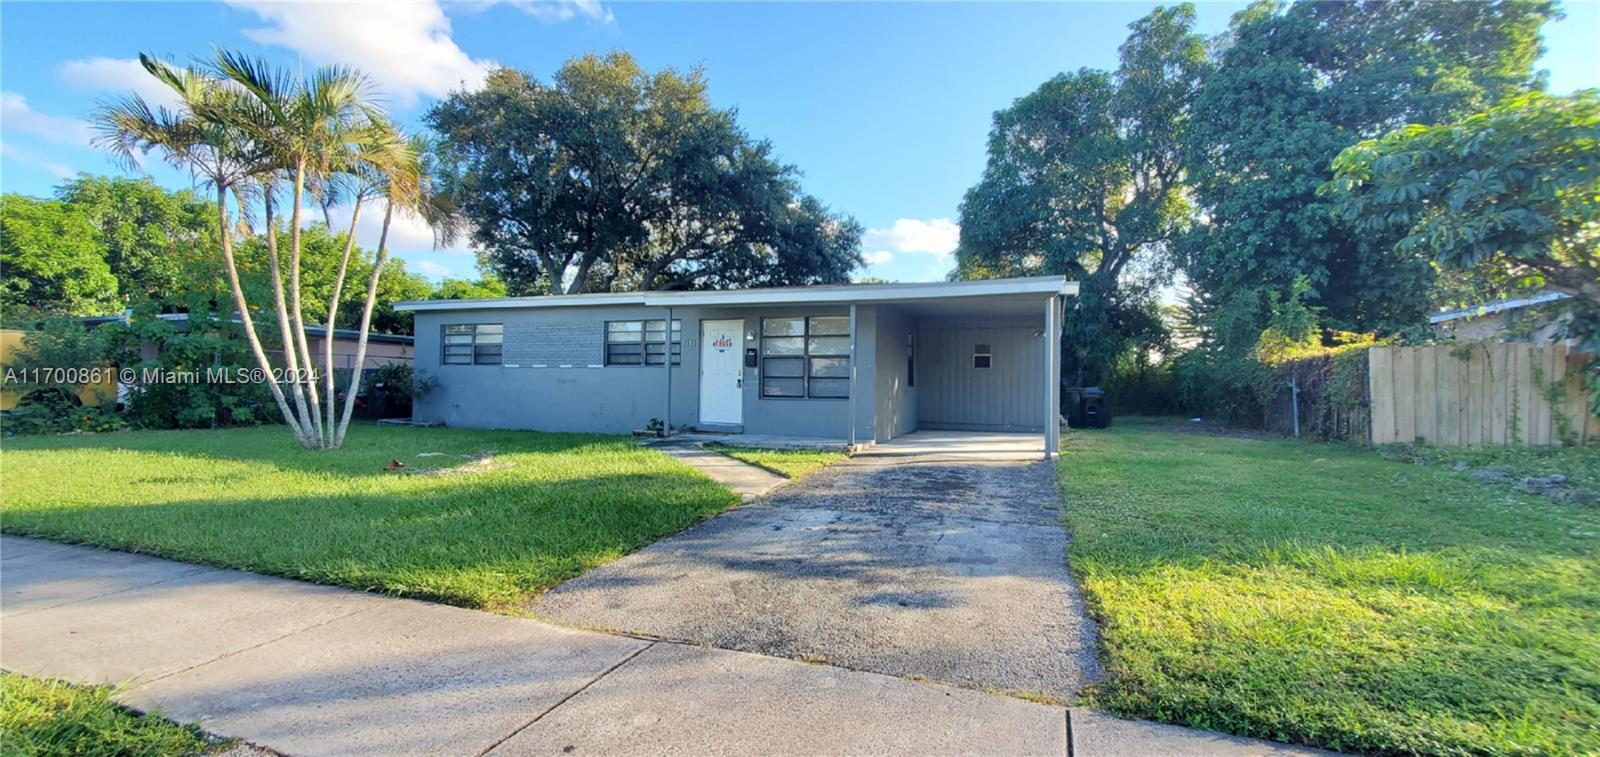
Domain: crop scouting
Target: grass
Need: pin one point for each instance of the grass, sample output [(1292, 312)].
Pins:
[(789, 463), (1327, 596), (541, 509), (1579, 464), (52, 718)]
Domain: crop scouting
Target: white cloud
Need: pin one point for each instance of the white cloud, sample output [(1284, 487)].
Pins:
[(17, 116), (117, 76), (878, 258), (407, 233), (559, 10), (432, 270), (30, 158), (936, 236), (405, 47)]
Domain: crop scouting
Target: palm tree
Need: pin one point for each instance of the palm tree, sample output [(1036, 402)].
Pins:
[(203, 137), (313, 127), (400, 172)]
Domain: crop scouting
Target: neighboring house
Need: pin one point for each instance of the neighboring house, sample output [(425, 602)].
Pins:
[(1520, 319), (11, 343), (863, 363), (382, 349)]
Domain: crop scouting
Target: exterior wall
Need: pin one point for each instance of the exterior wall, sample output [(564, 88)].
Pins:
[(344, 352), (802, 417), (11, 343), (953, 395), (553, 375), (895, 400)]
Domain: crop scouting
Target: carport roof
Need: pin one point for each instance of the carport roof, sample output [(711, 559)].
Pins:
[(1034, 286)]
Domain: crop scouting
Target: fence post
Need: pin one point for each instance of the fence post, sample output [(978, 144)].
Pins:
[(1294, 402)]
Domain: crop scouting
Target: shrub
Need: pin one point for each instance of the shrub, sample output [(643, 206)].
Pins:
[(205, 341)]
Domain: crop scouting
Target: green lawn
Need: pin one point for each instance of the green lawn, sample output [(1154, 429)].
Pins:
[(53, 718), (1324, 595), (543, 508), (789, 463)]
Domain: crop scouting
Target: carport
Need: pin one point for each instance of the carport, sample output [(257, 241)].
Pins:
[(966, 360)]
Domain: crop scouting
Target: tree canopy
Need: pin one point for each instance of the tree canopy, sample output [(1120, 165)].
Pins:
[(1084, 176), (1514, 187), (53, 260), (1292, 87), (156, 241), (611, 178)]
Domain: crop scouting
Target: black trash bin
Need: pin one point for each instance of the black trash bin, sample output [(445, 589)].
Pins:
[(1087, 408)]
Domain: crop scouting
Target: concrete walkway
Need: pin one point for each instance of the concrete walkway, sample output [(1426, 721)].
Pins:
[(305, 669), (747, 481)]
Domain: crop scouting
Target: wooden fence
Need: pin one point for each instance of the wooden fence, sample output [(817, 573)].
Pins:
[(1463, 395)]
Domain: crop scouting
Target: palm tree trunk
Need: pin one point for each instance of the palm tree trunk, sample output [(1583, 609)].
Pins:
[(244, 317), (291, 362), (366, 324), (308, 365), (333, 309)]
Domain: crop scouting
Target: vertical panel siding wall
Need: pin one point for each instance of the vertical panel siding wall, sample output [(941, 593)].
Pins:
[(1479, 394), (952, 394), (896, 400)]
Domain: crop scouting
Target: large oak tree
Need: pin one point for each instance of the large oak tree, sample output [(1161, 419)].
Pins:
[(612, 178)]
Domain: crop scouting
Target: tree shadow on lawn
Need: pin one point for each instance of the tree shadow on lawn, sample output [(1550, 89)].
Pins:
[(476, 540), (367, 450)]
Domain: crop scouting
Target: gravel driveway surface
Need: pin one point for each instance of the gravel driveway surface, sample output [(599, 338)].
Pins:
[(951, 570)]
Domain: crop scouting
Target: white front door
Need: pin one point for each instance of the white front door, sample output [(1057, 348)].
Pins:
[(722, 372)]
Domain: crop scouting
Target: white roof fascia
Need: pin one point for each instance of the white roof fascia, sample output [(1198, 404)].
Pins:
[(865, 292), (543, 301), (844, 293), (1499, 306)]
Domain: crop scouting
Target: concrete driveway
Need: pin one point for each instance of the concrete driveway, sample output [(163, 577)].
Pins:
[(915, 564)]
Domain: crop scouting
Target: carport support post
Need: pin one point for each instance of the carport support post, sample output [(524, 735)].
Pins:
[(666, 420), (1052, 379), (852, 376)]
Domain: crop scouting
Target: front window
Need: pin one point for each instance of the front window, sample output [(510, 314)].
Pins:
[(643, 342), (473, 343), (805, 357)]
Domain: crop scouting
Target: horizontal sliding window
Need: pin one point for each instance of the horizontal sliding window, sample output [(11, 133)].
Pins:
[(643, 342), (473, 343), (805, 357)]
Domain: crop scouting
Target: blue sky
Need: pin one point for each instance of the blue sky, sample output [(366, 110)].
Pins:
[(884, 107)]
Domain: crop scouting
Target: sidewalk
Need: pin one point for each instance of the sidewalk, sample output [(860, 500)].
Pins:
[(306, 669)]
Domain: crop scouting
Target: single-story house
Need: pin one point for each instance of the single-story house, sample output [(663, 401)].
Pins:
[(862, 363), (382, 349)]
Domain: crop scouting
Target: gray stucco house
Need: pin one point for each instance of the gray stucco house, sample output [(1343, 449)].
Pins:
[(863, 362)]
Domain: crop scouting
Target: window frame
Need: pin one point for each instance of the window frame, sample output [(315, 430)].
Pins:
[(479, 344), (670, 341), (984, 351), (811, 355)]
